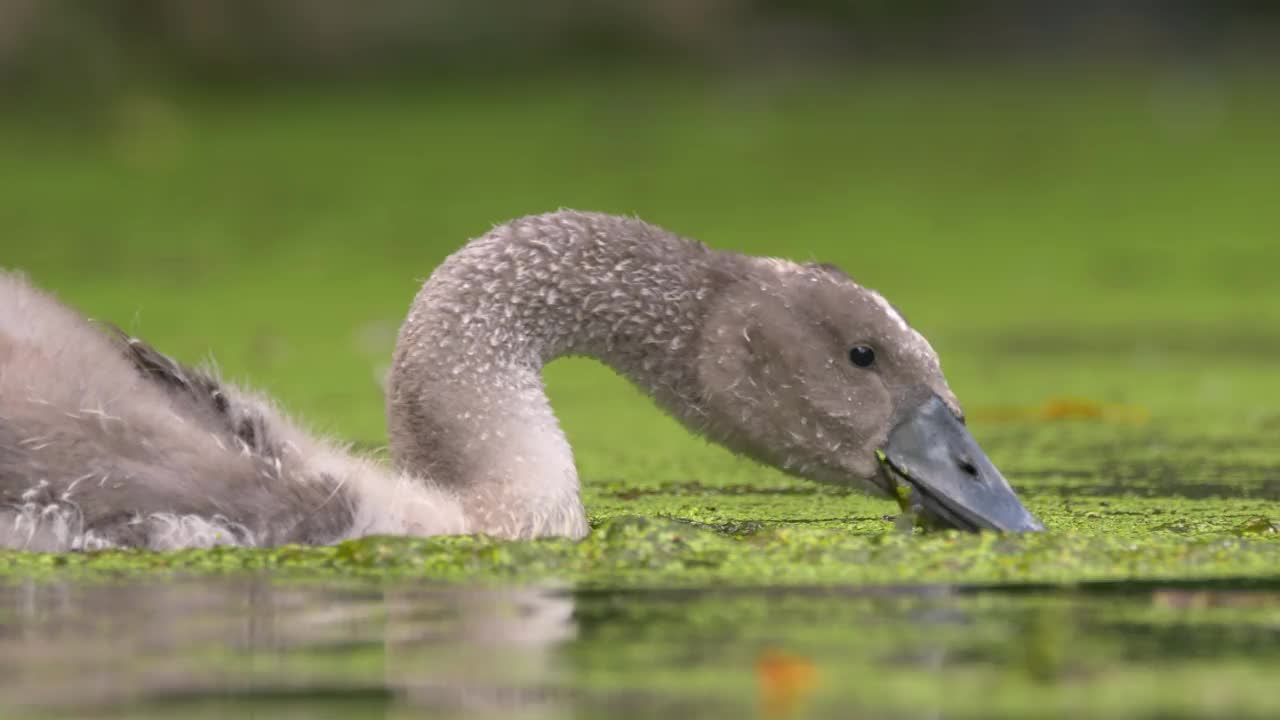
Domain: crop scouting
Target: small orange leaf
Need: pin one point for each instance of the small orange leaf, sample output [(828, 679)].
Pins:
[(1067, 408), (1064, 409), (786, 681)]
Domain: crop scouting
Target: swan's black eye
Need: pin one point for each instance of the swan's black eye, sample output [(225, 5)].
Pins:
[(862, 356)]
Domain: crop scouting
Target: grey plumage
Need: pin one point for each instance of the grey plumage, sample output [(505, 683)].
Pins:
[(105, 441)]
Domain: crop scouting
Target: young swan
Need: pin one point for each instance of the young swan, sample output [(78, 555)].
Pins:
[(106, 443)]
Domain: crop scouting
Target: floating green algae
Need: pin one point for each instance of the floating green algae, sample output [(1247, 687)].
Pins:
[(635, 551), (1190, 469), (1039, 268), (750, 526)]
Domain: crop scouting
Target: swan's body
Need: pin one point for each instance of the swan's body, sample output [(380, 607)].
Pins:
[(104, 442)]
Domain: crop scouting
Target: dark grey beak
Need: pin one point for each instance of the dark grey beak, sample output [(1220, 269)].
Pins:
[(940, 470)]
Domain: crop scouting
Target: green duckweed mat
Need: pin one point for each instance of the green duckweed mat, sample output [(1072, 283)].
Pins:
[(1095, 263)]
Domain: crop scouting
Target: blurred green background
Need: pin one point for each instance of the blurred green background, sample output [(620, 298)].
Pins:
[(1068, 200), (1076, 202)]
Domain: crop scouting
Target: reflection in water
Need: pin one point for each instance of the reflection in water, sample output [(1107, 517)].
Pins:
[(482, 651), (268, 647), (70, 646)]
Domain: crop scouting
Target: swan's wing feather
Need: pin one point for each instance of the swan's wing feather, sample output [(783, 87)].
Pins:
[(163, 369), (105, 441), (203, 391)]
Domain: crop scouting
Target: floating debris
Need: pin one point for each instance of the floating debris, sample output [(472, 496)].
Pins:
[(1064, 409), (786, 682)]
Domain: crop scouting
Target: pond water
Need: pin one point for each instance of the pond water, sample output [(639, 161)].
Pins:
[(729, 593), (1103, 295), (254, 646)]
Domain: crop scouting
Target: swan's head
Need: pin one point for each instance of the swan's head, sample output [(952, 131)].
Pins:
[(802, 368)]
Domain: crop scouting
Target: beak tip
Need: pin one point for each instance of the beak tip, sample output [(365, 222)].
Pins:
[(938, 457), (1030, 525), (1016, 519), (1023, 522)]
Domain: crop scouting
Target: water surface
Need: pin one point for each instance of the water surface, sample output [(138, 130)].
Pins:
[(256, 646), (1102, 293)]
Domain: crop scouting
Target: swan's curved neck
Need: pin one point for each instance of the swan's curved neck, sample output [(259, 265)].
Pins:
[(466, 407)]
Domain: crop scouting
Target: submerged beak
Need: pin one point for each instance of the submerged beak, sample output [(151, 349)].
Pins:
[(938, 468)]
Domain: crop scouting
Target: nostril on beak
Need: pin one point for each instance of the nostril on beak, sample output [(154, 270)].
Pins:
[(967, 466)]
